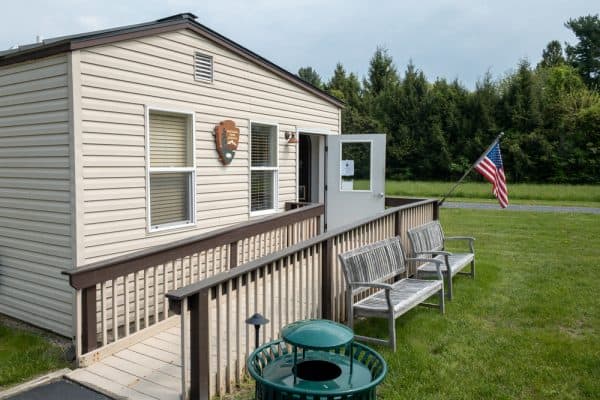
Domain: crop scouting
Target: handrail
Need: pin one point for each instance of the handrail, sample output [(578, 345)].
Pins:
[(91, 274), (400, 201), (195, 288)]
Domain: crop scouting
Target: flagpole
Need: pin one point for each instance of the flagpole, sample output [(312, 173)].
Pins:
[(471, 167)]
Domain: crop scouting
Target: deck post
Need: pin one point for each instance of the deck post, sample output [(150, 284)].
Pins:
[(398, 224), (199, 346), (89, 339), (326, 279), (436, 210), (233, 254)]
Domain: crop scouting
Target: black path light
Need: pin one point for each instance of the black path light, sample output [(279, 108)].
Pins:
[(257, 320)]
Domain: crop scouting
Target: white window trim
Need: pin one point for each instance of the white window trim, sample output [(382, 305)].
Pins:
[(251, 168), (192, 122), (342, 141)]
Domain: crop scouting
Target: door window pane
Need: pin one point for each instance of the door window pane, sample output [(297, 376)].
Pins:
[(355, 166)]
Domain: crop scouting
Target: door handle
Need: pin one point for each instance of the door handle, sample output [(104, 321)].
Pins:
[(381, 195)]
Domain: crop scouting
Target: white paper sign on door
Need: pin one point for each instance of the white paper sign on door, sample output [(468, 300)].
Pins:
[(347, 168)]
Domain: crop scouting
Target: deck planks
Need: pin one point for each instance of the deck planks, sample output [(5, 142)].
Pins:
[(148, 370)]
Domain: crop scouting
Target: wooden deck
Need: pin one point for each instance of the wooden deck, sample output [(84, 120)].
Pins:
[(148, 370)]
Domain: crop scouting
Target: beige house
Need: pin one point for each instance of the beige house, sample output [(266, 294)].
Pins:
[(107, 147)]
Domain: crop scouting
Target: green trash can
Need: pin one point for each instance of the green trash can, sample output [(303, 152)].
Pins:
[(316, 360)]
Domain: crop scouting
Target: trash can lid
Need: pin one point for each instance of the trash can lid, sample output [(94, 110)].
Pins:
[(317, 334)]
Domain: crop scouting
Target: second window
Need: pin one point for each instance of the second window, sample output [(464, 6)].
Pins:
[(263, 168)]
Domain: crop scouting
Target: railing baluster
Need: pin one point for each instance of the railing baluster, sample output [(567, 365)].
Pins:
[(263, 307), (164, 285), (294, 296), (146, 306), (228, 374), (219, 341), (238, 333), (104, 312), (272, 300), (126, 306), (136, 313), (115, 311), (280, 292)]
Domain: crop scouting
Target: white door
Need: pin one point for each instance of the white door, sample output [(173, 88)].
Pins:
[(355, 177)]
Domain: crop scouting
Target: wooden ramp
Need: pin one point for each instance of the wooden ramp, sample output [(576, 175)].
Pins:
[(148, 370)]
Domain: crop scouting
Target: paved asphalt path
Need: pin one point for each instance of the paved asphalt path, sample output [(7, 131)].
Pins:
[(522, 207), (59, 390)]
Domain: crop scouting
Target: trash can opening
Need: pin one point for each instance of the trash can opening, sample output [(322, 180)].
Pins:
[(317, 370)]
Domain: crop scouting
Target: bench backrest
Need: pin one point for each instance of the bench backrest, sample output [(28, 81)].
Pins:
[(427, 237), (374, 263)]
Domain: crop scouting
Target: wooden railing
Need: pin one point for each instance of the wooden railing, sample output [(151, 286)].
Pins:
[(302, 281), (125, 295)]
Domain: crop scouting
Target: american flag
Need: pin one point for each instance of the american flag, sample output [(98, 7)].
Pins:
[(490, 166)]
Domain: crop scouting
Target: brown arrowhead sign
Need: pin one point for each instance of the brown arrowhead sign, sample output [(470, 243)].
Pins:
[(227, 137)]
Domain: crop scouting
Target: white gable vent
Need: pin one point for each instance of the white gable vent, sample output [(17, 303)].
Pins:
[(203, 67)]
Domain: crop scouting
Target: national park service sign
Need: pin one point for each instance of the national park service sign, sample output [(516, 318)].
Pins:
[(227, 137)]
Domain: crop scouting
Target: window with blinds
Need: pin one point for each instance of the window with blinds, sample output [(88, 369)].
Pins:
[(203, 67), (171, 170), (263, 168)]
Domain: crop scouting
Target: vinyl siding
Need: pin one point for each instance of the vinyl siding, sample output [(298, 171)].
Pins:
[(119, 80), (35, 196)]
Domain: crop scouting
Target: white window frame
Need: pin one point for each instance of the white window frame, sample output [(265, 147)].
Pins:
[(275, 169), (191, 115)]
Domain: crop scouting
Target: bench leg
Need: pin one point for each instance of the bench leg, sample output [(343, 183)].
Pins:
[(448, 279), (350, 318), (442, 301), (392, 331), (349, 308), (473, 269)]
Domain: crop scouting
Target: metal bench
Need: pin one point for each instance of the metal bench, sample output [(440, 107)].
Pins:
[(429, 239), (376, 268)]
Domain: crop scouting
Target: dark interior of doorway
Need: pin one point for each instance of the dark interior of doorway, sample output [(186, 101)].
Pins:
[(304, 166)]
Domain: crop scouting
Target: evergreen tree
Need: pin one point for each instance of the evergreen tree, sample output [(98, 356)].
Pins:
[(585, 55), (311, 76), (382, 72), (552, 55)]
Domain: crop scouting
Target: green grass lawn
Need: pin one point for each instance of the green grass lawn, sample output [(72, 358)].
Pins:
[(526, 327), (586, 195), (23, 355)]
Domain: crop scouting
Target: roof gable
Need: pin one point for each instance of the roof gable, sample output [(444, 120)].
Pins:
[(176, 22)]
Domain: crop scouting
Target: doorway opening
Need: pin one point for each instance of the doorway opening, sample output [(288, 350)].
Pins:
[(310, 168)]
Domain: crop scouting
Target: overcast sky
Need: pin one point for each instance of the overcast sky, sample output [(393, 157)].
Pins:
[(444, 38)]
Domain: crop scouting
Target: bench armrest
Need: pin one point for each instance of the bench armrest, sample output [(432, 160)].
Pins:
[(468, 238), (385, 286), (438, 264), (372, 285), (446, 254), (435, 252)]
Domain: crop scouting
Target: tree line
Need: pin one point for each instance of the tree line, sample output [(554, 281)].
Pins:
[(550, 113)]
